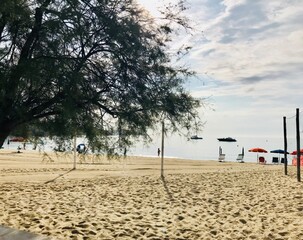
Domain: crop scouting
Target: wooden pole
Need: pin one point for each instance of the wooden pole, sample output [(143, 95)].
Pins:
[(298, 146), (285, 145), (162, 151), (75, 151)]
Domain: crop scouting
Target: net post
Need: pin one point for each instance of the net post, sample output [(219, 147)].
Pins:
[(162, 150), (285, 145), (298, 146)]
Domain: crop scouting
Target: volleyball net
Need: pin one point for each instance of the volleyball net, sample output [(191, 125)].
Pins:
[(293, 126)]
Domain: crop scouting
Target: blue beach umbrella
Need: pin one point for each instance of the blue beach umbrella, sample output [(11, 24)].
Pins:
[(279, 151)]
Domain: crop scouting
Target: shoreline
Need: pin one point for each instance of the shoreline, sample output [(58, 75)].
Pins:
[(33, 166), (178, 147)]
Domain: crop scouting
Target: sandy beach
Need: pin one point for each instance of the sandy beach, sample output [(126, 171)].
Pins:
[(127, 198)]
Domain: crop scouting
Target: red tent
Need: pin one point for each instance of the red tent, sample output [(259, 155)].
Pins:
[(294, 161)]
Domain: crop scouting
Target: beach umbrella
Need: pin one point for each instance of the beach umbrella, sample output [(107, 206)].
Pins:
[(257, 150), (295, 152), (17, 139), (279, 151)]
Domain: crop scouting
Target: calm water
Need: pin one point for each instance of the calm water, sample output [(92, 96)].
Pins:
[(208, 148), (205, 149)]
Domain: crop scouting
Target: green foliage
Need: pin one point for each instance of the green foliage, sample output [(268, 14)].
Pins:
[(93, 68)]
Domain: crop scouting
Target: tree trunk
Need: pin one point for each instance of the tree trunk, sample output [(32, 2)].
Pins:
[(5, 129)]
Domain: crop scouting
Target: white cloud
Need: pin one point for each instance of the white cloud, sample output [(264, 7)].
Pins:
[(249, 58), (243, 44)]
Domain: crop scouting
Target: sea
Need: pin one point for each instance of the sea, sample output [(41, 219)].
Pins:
[(176, 146), (208, 148)]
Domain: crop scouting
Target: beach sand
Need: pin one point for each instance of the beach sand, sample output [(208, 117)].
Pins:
[(127, 198)]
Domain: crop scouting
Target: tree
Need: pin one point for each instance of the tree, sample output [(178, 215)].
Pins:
[(92, 67)]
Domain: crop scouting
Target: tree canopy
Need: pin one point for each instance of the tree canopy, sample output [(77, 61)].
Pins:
[(89, 67)]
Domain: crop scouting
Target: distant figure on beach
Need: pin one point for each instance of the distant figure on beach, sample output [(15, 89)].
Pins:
[(19, 148), (125, 152), (159, 151)]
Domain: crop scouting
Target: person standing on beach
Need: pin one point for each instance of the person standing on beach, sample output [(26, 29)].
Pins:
[(159, 151), (124, 153)]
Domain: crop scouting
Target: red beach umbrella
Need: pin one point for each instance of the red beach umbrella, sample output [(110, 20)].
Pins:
[(295, 152), (257, 150), (17, 139), (261, 150)]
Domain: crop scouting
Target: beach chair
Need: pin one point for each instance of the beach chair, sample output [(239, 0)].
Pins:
[(221, 157), (240, 158), (262, 160), (282, 160), (275, 160)]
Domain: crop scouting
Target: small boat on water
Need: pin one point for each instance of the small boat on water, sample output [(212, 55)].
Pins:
[(228, 139), (195, 137)]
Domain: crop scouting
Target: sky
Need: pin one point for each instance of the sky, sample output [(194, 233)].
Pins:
[(248, 55)]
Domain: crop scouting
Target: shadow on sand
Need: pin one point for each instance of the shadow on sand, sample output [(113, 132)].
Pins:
[(60, 175), (170, 196)]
